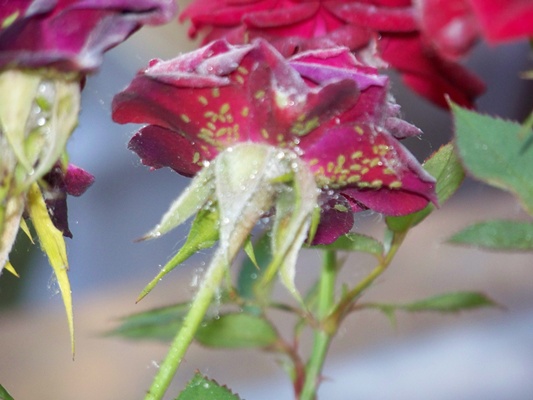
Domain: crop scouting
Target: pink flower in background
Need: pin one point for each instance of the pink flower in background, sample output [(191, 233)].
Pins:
[(71, 35), (393, 31), (331, 110)]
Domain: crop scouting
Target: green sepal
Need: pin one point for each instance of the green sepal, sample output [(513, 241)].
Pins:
[(497, 235), (191, 201), (202, 388), (202, 235)]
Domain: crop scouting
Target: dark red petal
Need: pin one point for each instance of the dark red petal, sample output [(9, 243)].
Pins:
[(77, 180), (73, 35), (390, 202), (452, 30), (159, 147), (336, 219), (363, 157), (427, 73)]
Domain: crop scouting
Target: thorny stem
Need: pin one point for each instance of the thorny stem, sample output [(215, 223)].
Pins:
[(331, 319), (322, 335), (347, 302), (192, 321)]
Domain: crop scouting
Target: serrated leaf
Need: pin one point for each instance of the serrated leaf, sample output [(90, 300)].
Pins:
[(497, 235), (202, 235), (236, 331), (4, 395), (157, 324), (496, 152), (53, 244), (445, 167), (202, 388), (355, 242), (444, 303)]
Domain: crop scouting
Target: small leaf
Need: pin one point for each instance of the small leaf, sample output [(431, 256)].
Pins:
[(451, 302), (237, 331), (445, 167), (53, 244), (157, 324), (496, 152), (4, 395), (444, 303), (202, 388), (203, 234), (250, 272), (355, 242), (497, 235)]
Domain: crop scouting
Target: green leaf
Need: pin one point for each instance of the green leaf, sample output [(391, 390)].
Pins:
[(4, 395), (496, 152), (157, 324), (237, 331), (497, 235), (203, 235), (355, 242), (444, 303), (202, 388), (445, 167), (450, 302)]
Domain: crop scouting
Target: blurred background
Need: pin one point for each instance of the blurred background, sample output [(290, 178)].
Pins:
[(486, 354)]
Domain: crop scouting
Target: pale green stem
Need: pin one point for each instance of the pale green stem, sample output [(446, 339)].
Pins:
[(344, 306), (324, 334), (192, 321)]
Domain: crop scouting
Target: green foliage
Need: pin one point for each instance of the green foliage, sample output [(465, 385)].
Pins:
[(496, 152), (202, 388), (4, 395), (252, 270), (203, 235), (497, 235), (445, 167), (237, 331), (230, 330), (443, 303), (157, 324), (355, 242)]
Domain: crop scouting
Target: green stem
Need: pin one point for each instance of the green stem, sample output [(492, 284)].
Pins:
[(347, 302), (192, 321), (322, 336)]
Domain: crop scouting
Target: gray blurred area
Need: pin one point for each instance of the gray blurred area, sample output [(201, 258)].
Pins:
[(486, 354)]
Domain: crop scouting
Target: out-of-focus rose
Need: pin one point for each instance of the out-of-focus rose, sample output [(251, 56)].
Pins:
[(323, 106), (71, 35), (392, 32)]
